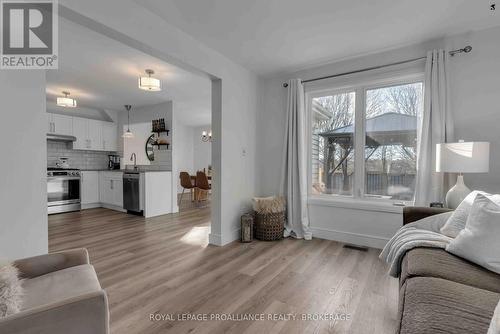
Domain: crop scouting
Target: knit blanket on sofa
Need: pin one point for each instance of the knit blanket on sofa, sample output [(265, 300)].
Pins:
[(422, 233)]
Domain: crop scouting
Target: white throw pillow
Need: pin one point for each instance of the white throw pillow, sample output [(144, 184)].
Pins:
[(10, 289), (478, 241), (456, 222)]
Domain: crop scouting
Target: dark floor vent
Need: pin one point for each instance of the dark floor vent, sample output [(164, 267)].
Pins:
[(355, 247)]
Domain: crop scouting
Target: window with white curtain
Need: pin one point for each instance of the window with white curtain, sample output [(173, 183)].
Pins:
[(363, 139)]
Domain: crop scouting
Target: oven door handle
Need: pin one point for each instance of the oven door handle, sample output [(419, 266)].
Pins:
[(64, 178)]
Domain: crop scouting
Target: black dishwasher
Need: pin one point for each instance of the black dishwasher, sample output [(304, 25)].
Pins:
[(131, 193)]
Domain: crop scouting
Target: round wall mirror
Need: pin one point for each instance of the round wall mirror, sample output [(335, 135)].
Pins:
[(149, 147)]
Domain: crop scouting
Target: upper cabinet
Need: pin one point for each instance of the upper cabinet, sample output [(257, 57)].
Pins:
[(88, 133), (109, 136), (91, 135), (59, 124)]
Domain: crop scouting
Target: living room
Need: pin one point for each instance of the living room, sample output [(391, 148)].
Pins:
[(348, 130)]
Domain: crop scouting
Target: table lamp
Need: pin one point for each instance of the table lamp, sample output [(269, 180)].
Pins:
[(461, 157)]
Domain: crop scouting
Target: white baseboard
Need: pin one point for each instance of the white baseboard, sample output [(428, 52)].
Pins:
[(91, 206), (113, 207), (218, 240), (215, 239), (350, 238)]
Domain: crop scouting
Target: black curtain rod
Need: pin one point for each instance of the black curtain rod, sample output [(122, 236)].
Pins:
[(467, 49)]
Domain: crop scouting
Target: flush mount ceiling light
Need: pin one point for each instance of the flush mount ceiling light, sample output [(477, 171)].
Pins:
[(65, 101), (149, 83), (128, 133)]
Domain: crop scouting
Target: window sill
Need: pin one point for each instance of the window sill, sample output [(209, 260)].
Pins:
[(355, 204)]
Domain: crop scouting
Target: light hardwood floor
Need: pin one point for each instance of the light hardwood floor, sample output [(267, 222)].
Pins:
[(164, 265)]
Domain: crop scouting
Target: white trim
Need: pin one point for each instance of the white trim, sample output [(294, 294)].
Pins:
[(103, 205), (350, 238), (219, 240), (91, 206), (355, 203), (113, 207), (215, 239)]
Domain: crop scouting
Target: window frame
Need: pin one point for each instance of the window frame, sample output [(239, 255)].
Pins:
[(360, 87)]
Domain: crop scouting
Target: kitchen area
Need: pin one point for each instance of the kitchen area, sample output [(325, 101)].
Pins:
[(85, 169), (113, 138)]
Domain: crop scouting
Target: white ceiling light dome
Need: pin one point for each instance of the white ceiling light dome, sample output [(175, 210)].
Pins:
[(65, 101), (150, 83), (128, 134)]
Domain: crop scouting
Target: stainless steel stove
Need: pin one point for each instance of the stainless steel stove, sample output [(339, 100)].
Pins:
[(63, 190)]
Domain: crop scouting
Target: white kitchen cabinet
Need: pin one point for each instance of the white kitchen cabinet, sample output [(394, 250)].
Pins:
[(90, 187), (111, 188), (59, 124), (88, 133), (109, 136), (95, 134), (80, 132)]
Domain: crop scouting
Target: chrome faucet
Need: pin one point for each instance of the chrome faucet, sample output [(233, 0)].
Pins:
[(134, 158)]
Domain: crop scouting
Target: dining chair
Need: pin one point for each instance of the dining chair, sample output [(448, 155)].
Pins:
[(186, 184), (202, 184)]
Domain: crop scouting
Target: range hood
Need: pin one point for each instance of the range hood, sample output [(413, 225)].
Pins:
[(65, 138)]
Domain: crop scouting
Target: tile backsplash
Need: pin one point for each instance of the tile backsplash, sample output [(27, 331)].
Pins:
[(77, 158)]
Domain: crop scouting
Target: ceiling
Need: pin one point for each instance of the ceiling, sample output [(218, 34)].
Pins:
[(271, 36), (101, 73)]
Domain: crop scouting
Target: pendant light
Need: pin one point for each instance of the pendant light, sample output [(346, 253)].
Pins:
[(65, 101), (149, 83), (128, 133)]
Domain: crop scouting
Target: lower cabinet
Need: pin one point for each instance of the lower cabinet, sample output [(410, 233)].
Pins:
[(90, 187), (111, 188)]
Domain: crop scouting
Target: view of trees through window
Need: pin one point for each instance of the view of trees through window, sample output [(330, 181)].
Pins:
[(391, 118)]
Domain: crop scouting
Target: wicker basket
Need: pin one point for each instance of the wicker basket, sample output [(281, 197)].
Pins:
[(269, 226)]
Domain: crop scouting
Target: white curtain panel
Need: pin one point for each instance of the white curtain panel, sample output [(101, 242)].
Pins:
[(436, 127), (294, 171)]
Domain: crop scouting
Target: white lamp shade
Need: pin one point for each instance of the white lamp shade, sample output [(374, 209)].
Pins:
[(66, 102), (149, 84), (128, 134), (463, 157)]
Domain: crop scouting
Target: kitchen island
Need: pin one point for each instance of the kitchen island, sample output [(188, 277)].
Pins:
[(104, 188)]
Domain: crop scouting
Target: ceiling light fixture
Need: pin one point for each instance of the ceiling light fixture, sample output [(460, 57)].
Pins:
[(128, 133), (149, 83), (65, 101)]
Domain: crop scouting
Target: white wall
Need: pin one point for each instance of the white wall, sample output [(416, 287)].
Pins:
[(184, 146), (23, 170), (202, 151), (140, 125), (370, 226), (475, 95), (474, 91)]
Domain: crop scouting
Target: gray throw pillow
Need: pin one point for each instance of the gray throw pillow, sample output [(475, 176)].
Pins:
[(11, 291), (478, 241)]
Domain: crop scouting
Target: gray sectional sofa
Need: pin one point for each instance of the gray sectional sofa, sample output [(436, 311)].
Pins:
[(442, 293)]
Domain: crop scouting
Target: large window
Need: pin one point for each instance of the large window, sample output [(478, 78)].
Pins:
[(364, 140)]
